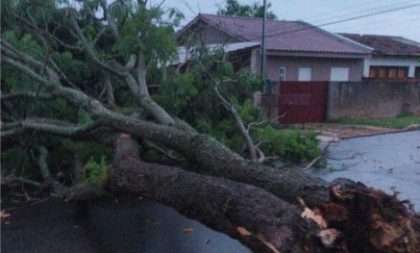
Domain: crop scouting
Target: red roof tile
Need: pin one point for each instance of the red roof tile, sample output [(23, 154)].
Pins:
[(388, 45), (294, 36)]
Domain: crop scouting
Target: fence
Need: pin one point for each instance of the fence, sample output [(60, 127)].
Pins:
[(299, 102), (372, 99)]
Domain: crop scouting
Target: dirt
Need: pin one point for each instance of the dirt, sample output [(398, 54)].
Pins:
[(348, 131)]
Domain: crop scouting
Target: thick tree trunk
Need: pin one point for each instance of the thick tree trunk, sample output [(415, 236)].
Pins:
[(250, 214), (209, 156), (357, 219)]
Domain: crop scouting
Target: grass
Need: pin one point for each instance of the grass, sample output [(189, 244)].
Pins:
[(397, 122)]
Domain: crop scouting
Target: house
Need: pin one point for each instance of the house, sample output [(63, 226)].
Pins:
[(295, 50), (392, 58)]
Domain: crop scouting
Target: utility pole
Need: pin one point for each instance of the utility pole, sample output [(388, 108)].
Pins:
[(263, 43)]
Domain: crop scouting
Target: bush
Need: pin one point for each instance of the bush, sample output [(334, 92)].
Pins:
[(96, 173), (289, 145), (190, 96)]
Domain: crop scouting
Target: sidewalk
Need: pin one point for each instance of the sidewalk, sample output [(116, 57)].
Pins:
[(335, 132)]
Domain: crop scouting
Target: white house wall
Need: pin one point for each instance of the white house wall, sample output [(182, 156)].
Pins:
[(411, 63)]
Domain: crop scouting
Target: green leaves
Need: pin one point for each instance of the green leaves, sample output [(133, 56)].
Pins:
[(75, 69), (144, 29), (289, 145), (234, 8), (96, 172), (24, 42)]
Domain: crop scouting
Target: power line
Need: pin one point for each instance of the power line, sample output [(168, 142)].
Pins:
[(348, 7), (341, 21), (364, 11), (377, 23)]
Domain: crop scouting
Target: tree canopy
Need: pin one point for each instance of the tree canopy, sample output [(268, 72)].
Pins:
[(234, 8)]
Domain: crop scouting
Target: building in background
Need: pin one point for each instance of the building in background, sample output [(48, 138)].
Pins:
[(295, 50), (393, 58)]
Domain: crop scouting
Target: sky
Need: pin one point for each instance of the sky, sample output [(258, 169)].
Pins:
[(403, 22)]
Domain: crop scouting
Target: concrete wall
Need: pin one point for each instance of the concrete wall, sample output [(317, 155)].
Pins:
[(372, 99), (321, 67)]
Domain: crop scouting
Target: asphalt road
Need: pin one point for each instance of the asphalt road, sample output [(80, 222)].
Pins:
[(126, 226), (390, 162)]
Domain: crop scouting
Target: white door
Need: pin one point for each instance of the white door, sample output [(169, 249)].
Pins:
[(339, 74), (305, 74)]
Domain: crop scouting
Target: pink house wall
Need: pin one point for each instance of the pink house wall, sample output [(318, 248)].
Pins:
[(321, 67)]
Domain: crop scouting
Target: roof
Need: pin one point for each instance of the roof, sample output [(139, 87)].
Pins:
[(387, 45), (289, 36)]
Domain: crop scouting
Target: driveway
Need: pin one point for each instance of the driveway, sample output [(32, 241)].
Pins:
[(390, 162)]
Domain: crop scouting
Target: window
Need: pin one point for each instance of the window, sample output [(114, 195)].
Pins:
[(339, 74), (388, 72), (282, 75), (305, 74), (417, 72)]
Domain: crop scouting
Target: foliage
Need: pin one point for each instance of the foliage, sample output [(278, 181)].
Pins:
[(190, 95), (65, 51), (234, 8), (290, 144), (96, 173), (397, 122)]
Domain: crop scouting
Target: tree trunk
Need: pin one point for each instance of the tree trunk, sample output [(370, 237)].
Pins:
[(209, 156), (250, 214), (357, 219)]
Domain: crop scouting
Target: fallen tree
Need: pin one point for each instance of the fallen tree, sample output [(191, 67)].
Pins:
[(354, 220), (268, 210)]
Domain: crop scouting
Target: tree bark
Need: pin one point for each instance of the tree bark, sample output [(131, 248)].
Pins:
[(252, 215), (357, 219), (213, 158)]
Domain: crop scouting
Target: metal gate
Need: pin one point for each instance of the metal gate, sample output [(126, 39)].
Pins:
[(301, 102)]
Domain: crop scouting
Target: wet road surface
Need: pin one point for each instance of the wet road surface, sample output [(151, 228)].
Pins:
[(108, 226), (390, 162)]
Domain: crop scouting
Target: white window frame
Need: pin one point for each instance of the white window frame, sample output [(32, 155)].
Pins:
[(340, 79), (282, 74), (304, 74)]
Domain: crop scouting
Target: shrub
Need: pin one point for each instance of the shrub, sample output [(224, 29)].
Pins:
[(96, 173), (290, 145)]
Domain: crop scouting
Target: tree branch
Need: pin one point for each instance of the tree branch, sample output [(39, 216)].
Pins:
[(91, 52), (27, 71), (25, 95), (110, 20), (239, 122), (48, 126), (43, 166)]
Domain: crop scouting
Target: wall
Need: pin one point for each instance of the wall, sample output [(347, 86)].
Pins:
[(372, 99), (321, 67), (410, 62)]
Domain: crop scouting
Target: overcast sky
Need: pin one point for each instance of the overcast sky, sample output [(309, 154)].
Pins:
[(404, 22)]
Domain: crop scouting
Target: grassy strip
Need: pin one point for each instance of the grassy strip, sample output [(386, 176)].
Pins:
[(398, 122)]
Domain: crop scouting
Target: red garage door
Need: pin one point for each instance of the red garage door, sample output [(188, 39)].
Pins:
[(301, 102)]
